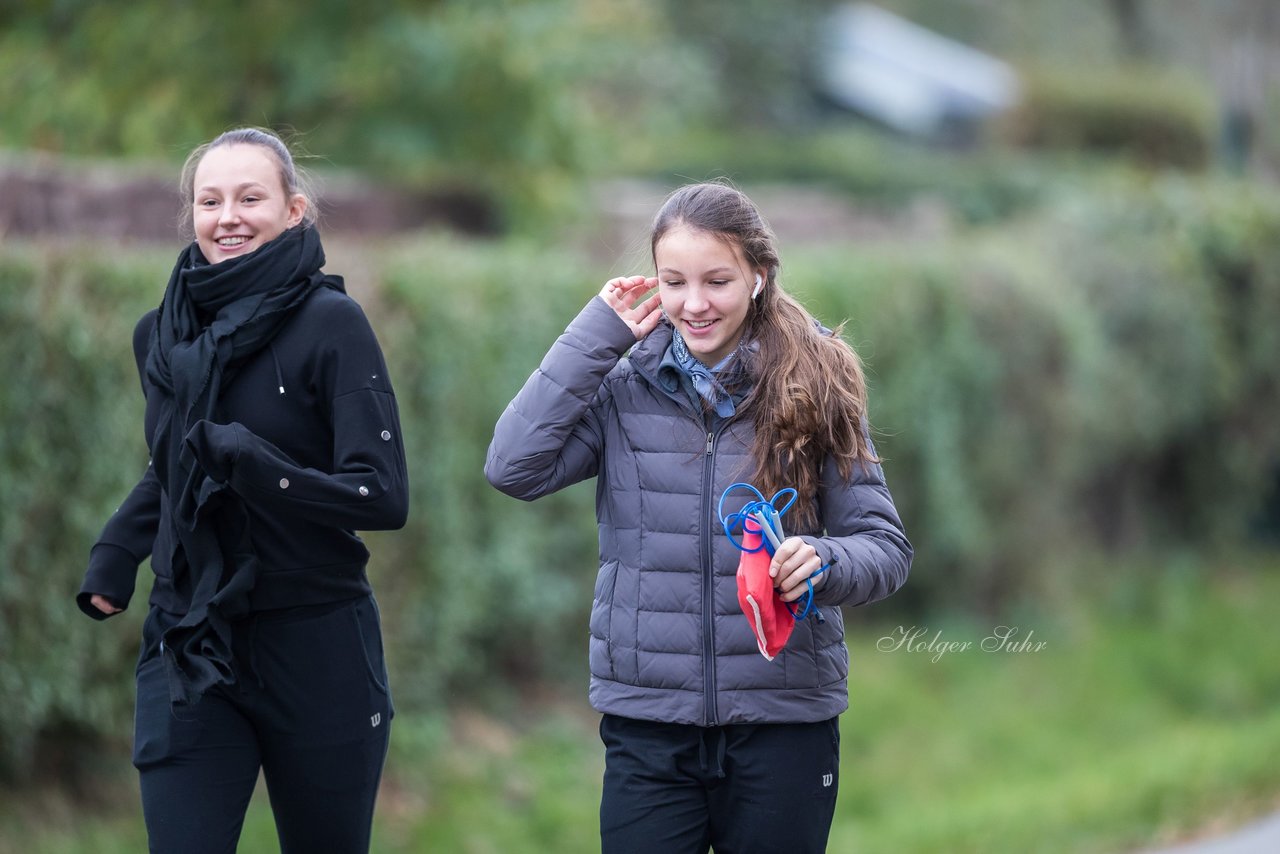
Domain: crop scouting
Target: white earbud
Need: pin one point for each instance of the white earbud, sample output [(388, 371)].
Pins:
[(759, 285)]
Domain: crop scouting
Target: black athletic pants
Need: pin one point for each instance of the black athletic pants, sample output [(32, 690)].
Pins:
[(310, 708), (739, 789)]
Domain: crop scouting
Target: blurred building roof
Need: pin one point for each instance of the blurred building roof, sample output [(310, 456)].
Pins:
[(907, 77)]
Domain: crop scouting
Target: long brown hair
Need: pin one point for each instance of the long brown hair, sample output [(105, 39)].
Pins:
[(809, 393)]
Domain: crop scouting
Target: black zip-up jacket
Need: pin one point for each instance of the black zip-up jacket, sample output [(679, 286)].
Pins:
[(307, 434)]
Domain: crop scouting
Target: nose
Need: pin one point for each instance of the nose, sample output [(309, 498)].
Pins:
[(229, 215), (695, 300)]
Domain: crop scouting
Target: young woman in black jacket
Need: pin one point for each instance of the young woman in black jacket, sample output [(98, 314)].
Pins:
[(274, 435)]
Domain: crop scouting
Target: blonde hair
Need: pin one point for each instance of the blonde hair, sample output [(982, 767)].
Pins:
[(292, 178)]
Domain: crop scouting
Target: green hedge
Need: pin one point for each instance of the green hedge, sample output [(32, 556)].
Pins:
[(1157, 117), (1095, 379), (484, 585), (70, 449), (874, 168)]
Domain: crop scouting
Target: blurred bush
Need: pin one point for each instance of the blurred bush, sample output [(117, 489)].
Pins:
[(70, 450), (871, 167), (1089, 379), (479, 585), (1160, 118), (759, 58), (1095, 378)]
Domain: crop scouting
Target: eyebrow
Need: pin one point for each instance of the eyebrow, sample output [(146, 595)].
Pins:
[(245, 185), (708, 272)]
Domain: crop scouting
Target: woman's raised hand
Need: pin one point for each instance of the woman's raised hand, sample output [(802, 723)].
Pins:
[(621, 295)]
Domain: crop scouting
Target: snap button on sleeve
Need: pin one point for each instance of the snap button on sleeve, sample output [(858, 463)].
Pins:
[(284, 483), (386, 435), (364, 490)]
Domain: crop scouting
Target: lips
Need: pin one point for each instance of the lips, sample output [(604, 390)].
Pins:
[(233, 244), (700, 327)]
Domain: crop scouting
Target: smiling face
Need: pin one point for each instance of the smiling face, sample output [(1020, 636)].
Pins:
[(240, 201), (705, 284)]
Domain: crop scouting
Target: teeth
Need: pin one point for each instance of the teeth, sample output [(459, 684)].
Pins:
[(232, 241), (700, 324)]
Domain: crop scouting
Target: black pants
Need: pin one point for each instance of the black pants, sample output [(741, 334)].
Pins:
[(310, 708), (740, 789)]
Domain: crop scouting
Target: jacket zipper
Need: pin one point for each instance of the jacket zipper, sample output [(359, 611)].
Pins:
[(708, 567), (708, 586)]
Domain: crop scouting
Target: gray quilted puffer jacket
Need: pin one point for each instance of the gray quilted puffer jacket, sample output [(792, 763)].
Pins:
[(669, 641)]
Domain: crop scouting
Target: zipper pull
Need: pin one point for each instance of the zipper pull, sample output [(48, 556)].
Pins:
[(710, 439)]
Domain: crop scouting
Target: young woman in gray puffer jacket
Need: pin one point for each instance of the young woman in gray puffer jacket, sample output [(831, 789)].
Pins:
[(668, 399)]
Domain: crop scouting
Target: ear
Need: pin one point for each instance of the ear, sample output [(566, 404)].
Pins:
[(297, 209)]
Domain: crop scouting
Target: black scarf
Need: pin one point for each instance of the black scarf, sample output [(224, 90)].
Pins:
[(212, 319)]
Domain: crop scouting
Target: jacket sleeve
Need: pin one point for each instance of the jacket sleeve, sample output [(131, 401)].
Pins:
[(366, 486), (550, 436), (126, 541), (865, 543), (130, 534)]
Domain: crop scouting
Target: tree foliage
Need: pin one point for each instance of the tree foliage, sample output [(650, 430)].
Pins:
[(511, 98)]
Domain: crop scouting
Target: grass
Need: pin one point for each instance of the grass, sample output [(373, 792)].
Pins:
[(1145, 715)]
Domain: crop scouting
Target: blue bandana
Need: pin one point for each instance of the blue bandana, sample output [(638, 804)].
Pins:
[(704, 380)]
